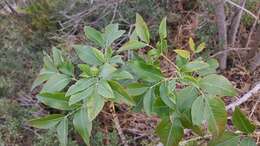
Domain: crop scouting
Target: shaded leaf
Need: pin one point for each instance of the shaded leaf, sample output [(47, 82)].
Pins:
[(217, 85), (170, 133), (46, 122), (148, 101), (241, 122), (62, 131), (112, 33), (121, 75), (80, 85), (89, 54), (166, 95), (195, 66), (57, 56), (216, 115), (94, 35), (121, 93), (145, 71), (198, 111), (94, 104), (247, 141), (135, 89), (82, 124), (104, 89), (55, 100), (56, 82), (107, 70), (132, 45), (81, 95), (227, 139)]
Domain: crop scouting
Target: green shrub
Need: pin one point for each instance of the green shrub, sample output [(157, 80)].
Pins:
[(191, 99)]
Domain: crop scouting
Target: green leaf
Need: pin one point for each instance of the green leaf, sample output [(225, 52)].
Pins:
[(241, 122), (192, 44), (46, 122), (85, 69), (185, 98), (55, 100), (136, 89), (81, 85), (216, 115), (148, 101), (211, 69), (198, 111), (142, 29), (183, 53), (166, 95), (145, 71), (115, 60), (81, 95), (132, 45), (67, 68), (62, 131), (170, 133), (104, 89), (121, 75), (48, 63), (200, 48), (107, 70), (94, 36), (57, 56), (247, 141), (89, 55), (40, 79), (217, 85), (82, 124), (163, 29), (195, 66), (112, 33), (94, 104), (227, 139), (56, 82), (121, 93)]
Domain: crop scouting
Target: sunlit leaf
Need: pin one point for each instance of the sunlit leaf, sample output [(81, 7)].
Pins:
[(163, 29), (183, 53), (142, 29)]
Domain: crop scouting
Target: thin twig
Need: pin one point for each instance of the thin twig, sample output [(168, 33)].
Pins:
[(247, 11), (117, 124), (252, 29), (228, 50), (235, 24), (244, 98)]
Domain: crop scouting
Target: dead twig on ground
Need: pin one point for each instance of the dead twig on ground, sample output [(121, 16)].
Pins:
[(117, 124), (244, 98)]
